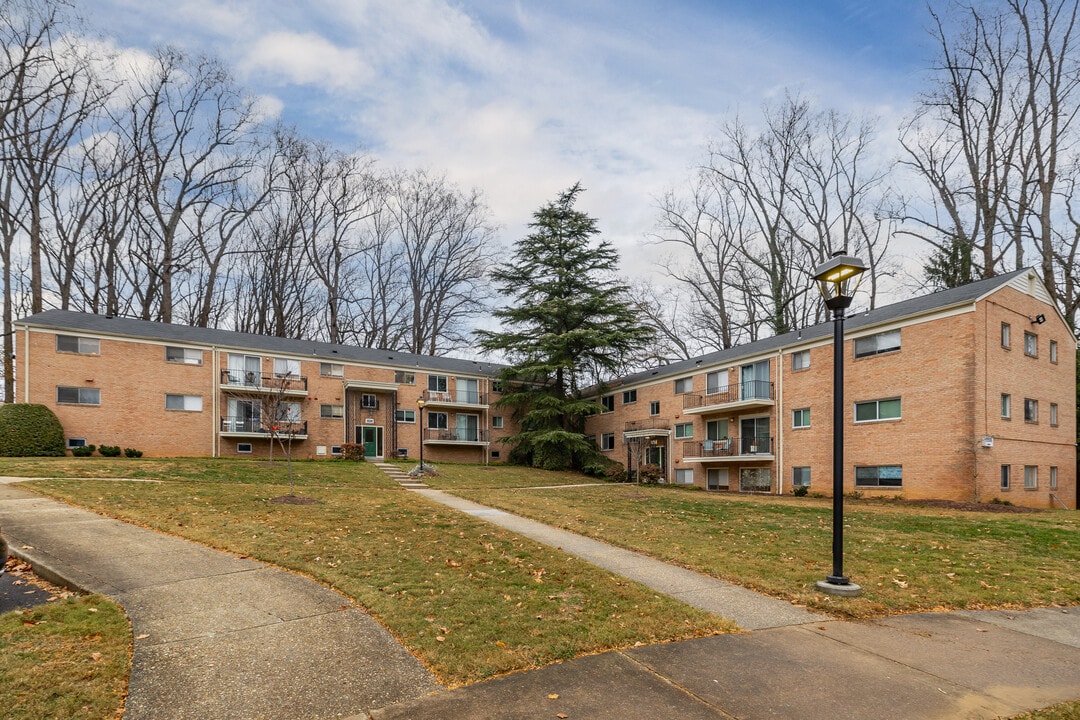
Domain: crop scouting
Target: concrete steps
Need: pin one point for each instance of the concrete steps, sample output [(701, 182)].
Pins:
[(401, 477)]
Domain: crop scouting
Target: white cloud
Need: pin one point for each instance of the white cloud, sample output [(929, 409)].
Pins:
[(305, 59)]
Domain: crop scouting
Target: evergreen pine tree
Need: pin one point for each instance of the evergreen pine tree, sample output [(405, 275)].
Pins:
[(570, 325)]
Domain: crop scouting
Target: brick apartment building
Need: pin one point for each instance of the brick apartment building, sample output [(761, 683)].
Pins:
[(967, 394), (172, 390)]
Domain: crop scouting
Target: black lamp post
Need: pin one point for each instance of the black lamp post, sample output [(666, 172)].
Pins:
[(420, 403), (838, 279)]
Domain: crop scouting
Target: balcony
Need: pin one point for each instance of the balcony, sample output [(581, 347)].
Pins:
[(754, 448), (455, 436), (247, 427), (746, 395), (651, 427), (251, 382), (459, 399)]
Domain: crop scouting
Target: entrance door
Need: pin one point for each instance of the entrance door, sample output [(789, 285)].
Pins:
[(467, 428), (755, 381), (371, 437), (468, 391), (755, 436)]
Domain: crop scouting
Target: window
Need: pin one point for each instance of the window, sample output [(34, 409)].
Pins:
[(437, 421), (497, 422), (716, 382), (283, 367), (331, 369), (405, 416), (76, 442), (437, 383), (716, 478), (684, 476), (800, 477), (684, 430), (1006, 476), (879, 476), (78, 396), (1031, 410), (1006, 405), (288, 412), (369, 401), (335, 449), (1031, 477), (1006, 336), (873, 410), (243, 447), (800, 418), (716, 430), (607, 441), (1053, 415), (401, 377), (800, 360), (496, 387), (332, 411), (81, 345), (184, 356), (191, 403), (1053, 477), (684, 385), (877, 344), (654, 407), (1031, 344), (608, 401), (629, 396), (1053, 351), (755, 480)]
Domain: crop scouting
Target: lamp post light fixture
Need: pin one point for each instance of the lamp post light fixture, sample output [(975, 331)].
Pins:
[(838, 279), (420, 403)]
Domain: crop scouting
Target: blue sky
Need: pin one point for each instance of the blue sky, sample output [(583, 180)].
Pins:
[(522, 99)]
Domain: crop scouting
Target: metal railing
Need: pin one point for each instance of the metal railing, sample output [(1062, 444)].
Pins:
[(649, 424), (460, 397), (258, 382), (730, 447), (748, 390), (456, 434), (239, 424)]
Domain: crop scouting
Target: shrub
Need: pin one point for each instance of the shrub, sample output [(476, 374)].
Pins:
[(132, 453), (352, 451), (109, 450), (650, 474), (800, 491), (84, 451), (28, 430)]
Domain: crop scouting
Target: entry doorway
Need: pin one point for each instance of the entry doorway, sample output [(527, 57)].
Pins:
[(371, 437)]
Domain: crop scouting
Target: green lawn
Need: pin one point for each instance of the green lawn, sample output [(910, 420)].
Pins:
[(471, 600), (67, 659)]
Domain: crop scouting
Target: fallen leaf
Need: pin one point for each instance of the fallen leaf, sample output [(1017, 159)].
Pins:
[(553, 696), (95, 656), (562, 716), (440, 638), (142, 637)]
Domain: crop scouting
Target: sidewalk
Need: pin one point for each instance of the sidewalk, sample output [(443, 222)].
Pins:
[(218, 636)]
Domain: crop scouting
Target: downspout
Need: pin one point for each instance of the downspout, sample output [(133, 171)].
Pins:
[(780, 421), (215, 386), (26, 366)]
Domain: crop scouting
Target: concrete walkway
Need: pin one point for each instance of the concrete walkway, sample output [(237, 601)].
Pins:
[(215, 635), (751, 610)]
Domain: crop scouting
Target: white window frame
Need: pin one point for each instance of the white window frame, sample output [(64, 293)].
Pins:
[(75, 442), (802, 414), (332, 412), (244, 448), (717, 473), (1031, 344), (329, 369), (607, 441), (183, 355), (755, 475), (1031, 477), (1053, 352), (405, 416), (369, 401), (1053, 414), (877, 411), (188, 403), (1006, 336), (82, 395), (438, 421), (83, 345), (684, 385), (654, 408), (1006, 406), (629, 397), (864, 483), (684, 431), (404, 377), (497, 422), (438, 383), (286, 367), (684, 476), (1031, 410), (1053, 477), (608, 402), (800, 476), (884, 342), (800, 361), (714, 387), (1006, 477)]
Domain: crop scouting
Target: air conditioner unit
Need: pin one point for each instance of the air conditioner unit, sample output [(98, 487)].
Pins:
[(988, 441)]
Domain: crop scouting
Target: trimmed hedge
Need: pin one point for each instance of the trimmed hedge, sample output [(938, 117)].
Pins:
[(28, 430)]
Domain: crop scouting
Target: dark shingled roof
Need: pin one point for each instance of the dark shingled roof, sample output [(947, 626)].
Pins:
[(226, 339), (880, 316)]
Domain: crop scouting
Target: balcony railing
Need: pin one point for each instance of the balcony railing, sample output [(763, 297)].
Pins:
[(745, 392), (731, 447), (458, 397), (256, 382), (449, 435), (648, 424), (255, 426)]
